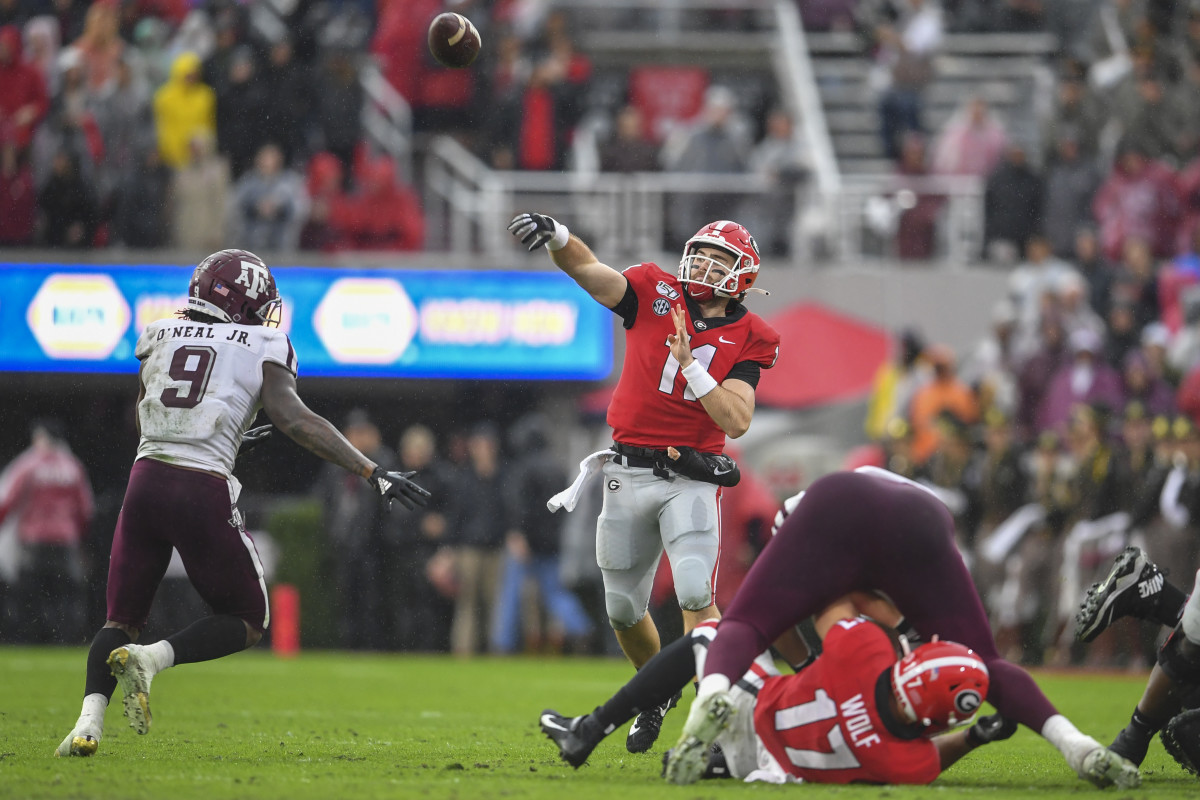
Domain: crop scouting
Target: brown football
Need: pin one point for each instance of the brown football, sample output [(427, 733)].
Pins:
[(453, 40)]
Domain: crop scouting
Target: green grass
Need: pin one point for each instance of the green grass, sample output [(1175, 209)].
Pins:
[(332, 725)]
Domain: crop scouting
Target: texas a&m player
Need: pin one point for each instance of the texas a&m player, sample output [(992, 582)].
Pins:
[(692, 361), (202, 379)]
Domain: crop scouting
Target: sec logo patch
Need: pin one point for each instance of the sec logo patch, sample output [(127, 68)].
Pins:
[(614, 485), (661, 306)]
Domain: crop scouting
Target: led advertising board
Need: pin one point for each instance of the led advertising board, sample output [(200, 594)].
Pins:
[(342, 322)]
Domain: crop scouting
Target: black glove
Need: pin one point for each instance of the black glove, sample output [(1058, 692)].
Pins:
[(708, 467), (397, 486), (993, 728), (534, 230), (254, 437)]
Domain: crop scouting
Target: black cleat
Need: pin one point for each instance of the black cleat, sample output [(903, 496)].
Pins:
[(576, 737), (1132, 745), (1130, 589), (1181, 740), (717, 767), (643, 733)]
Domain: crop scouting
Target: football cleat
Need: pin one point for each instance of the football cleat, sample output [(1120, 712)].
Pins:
[(1131, 588), (133, 671), (1181, 742), (718, 766), (643, 733), (576, 737), (1102, 767), (81, 743), (690, 756), (1132, 745)]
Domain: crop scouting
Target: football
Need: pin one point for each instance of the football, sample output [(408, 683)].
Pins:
[(453, 40)]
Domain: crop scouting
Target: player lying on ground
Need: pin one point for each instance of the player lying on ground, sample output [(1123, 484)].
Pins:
[(871, 530), (1136, 587), (866, 711), (202, 380)]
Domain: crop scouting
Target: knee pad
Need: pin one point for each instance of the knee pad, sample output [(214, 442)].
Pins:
[(693, 585), (623, 611), (1180, 659)]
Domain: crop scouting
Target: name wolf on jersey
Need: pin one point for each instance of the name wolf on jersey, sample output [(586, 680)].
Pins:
[(858, 722), (201, 332)]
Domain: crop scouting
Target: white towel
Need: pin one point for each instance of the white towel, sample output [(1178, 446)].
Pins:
[(568, 498)]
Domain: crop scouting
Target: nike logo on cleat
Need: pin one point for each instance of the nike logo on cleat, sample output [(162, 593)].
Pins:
[(548, 722), (1150, 586)]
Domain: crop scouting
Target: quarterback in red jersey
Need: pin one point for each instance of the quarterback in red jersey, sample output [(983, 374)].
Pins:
[(693, 358)]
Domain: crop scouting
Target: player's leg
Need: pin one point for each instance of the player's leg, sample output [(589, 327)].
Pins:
[(224, 567), (138, 560)]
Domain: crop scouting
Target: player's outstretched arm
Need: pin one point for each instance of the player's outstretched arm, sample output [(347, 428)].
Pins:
[(953, 746), (570, 254), (306, 428)]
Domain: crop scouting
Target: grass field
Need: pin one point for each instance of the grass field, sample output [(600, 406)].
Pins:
[(333, 725)]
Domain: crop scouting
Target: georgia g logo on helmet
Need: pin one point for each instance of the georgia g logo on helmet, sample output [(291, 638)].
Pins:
[(967, 702)]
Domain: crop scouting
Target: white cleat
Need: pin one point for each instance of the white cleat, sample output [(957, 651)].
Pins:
[(1104, 768), (708, 717), (79, 742), (134, 672)]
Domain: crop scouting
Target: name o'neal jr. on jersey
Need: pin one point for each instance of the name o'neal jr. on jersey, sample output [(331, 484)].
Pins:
[(202, 388)]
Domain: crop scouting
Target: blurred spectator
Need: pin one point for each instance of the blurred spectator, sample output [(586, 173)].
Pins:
[(46, 491), (1033, 289), (717, 143), (324, 183), (508, 79), (269, 205), (1085, 380), (1137, 282), (289, 91), (426, 617), (241, 113), (551, 104), (151, 37), (183, 107), (100, 46), (195, 35), (70, 15), (23, 101), (65, 131), (381, 216), (991, 369), (41, 49), (629, 149), (1140, 384), (227, 41), (1175, 278), (1154, 125), (1077, 113), (1155, 342), (1184, 100), (142, 217), (339, 104), (365, 553), (1071, 300), (1071, 184), (1137, 199), (895, 382), (1048, 353), (200, 198), (1123, 335), (1094, 267), (903, 68), (18, 199), (946, 392), (67, 202), (971, 142), (1012, 205), (919, 210), (779, 158), (1188, 185), (533, 542), (477, 535), (125, 127)]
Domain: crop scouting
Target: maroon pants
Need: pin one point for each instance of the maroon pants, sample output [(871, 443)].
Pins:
[(167, 507), (862, 532)]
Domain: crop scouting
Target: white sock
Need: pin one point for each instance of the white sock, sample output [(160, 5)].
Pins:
[(1070, 741), (1191, 615), (92, 715), (162, 655)]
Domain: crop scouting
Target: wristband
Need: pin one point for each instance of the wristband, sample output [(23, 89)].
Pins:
[(973, 737), (699, 381), (560, 238)]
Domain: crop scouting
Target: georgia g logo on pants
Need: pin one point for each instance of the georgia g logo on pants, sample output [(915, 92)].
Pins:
[(614, 485)]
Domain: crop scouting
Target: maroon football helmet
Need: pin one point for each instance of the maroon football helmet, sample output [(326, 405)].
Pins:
[(732, 238), (235, 286), (940, 685)]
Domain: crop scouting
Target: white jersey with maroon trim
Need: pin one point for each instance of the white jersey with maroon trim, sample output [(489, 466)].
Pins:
[(203, 384)]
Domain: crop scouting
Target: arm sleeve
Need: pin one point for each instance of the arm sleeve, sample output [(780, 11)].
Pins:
[(279, 351), (628, 307), (748, 371)]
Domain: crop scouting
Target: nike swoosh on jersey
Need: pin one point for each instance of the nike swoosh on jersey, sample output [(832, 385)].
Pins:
[(724, 340), (548, 722)]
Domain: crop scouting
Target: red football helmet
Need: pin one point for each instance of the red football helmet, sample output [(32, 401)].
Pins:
[(235, 286), (733, 239), (940, 684)]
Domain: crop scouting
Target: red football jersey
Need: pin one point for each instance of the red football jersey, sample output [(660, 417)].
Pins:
[(652, 405), (823, 725)]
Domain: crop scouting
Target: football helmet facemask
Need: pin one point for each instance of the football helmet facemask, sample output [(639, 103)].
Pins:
[(939, 685), (696, 271), (235, 286)]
